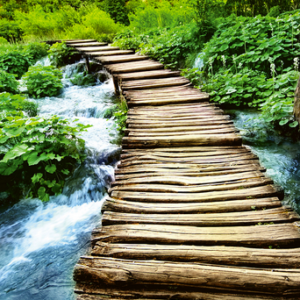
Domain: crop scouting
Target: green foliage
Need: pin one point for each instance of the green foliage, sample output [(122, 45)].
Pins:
[(43, 81), (117, 10), (278, 107), (17, 103), (170, 47), (8, 83), (119, 112), (10, 30), (15, 62), (60, 54), (83, 79), (36, 51), (161, 16), (38, 154), (95, 24), (255, 42)]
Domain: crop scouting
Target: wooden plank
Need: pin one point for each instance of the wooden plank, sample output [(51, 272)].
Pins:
[(112, 204), (164, 188), (79, 41), (86, 44), (134, 66), (149, 172), (213, 139), (274, 215), (148, 74), (87, 292), (120, 58), (153, 83), (187, 181), (248, 193), (109, 53), (123, 272), (258, 236), (239, 256), (93, 49)]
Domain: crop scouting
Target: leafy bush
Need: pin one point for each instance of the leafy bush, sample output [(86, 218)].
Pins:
[(117, 10), (43, 81), (3, 41), (36, 51), (37, 155), (171, 47), (17, 103), (96, 24), (254, 42), (10, 30), (15, 62), (8, 82), (60, 54)]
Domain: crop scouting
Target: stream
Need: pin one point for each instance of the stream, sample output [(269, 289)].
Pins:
[(41, 242)]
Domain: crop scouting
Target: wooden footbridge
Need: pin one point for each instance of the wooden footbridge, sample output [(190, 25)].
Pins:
[(191, 214)]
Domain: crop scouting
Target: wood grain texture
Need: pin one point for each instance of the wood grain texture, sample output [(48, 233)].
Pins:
[(124, 272)]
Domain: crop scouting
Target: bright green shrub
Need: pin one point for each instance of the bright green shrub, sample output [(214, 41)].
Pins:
[(117, 10), (43, 81), (8, 83), (18, 103), (3, 41), (36, 51), (38, 154), (96, 24), (60, 54), (255, 42), (15, 62), (10, 30)]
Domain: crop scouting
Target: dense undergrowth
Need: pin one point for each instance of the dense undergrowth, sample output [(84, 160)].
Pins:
[(37, 154)]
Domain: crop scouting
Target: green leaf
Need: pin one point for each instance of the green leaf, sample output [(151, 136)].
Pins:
[(36, 177), (18, 150), (66, 172), (51, 169), (283, 122), (294, 124)]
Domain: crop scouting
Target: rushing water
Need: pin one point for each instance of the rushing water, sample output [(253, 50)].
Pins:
[(41, 242), (279, 155)]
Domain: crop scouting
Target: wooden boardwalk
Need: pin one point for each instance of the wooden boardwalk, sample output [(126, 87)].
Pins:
[(191, 214)]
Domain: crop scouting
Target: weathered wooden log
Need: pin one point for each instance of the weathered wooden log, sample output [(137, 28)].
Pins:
[(274, 215), (221, 255), (258, 236), (248, 193), (148, 75), (85, 44), (95, 48), (153, 83), (197, 153), (187, 173), (184, 167), (86, 292), (120, 58), (165, 188), (79, 41), (134, 66), (110, 53), (124, 272), (112, 204), (187, 181)]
